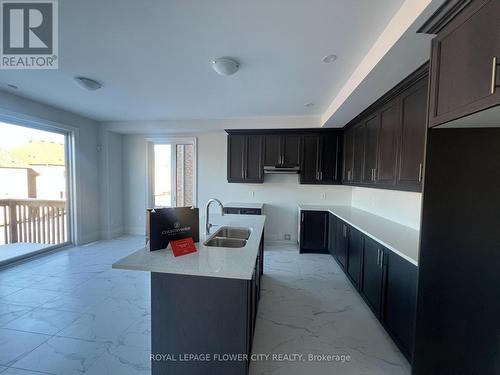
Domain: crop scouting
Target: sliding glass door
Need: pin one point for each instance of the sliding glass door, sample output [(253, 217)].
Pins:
[(172, 172), (34, 190)]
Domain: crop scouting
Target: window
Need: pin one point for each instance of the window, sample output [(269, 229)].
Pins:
[(172, 172)]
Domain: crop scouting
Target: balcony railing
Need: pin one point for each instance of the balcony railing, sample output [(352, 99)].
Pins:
[(33, 220)]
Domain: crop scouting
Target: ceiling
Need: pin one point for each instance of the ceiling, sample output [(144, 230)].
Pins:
[(154, 59)]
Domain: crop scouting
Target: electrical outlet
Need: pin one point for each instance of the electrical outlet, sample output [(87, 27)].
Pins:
[(323, 196), (251, 194), (287, 237)]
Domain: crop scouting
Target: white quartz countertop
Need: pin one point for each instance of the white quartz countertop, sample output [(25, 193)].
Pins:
[(233, 263), (255, 205), (396, 237)]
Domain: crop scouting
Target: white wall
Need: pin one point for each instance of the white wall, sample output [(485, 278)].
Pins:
[(281, 192), (110, 183), (400, 206), (21, 110)]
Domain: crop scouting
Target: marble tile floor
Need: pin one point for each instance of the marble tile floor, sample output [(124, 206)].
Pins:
[(70, 313)]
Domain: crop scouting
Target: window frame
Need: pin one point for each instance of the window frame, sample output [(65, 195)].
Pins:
[(150, 169)]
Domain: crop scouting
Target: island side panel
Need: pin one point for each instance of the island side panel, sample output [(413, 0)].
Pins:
[(196, 315)]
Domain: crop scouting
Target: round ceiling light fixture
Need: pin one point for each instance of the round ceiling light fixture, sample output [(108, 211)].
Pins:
[(88, 83), (225, 66), (329, 59)]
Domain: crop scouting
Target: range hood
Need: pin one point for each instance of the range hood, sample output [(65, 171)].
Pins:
[(281, 169)]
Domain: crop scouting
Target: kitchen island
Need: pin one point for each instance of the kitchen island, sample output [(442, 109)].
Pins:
[(204, 304)]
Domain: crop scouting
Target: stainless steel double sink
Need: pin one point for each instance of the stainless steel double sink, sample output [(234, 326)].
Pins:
[(234, 237)]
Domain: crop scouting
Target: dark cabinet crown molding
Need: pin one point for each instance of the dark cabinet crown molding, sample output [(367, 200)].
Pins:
[(441, 17), (279, 131)]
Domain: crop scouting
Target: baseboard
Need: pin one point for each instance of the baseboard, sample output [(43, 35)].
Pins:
[(90, 237), (109, 235), (135, 231)]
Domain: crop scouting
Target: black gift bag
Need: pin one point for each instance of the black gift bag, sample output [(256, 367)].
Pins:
[(168, 224)]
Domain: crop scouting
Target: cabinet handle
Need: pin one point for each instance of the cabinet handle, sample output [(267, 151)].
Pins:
[(349, 175), (378, 256), (381, 259), (494, 68), (344, 230), (302, 217), (420, 171), (321, 176)]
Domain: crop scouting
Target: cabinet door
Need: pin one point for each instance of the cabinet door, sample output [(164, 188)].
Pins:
[(291, 150), (235, 158), (330, 151), (310, 159), (342, 241), (254, 171), (413, 131), (371, 286), (462, 63), (388, 143), (354, 255), (370, 165), (272, 150), (348, 155), (314, 231), (400, 300), (332, 234), (358, 153)]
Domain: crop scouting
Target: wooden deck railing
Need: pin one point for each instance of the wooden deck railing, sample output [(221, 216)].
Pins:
[(33, 220)]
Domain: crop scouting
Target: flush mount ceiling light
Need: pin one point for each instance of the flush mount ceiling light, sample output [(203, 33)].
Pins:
[(329, 59), (225, 66), (87, 83)]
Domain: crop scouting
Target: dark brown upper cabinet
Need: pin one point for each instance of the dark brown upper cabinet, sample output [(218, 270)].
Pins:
[(272, 150), (465, 61), (358, 153), (388, 143), (384, 145), (316, 153), (245, 158), (348, 155), (354, 153), (321, 160), (282, 149), (413, 131), (372, 126)]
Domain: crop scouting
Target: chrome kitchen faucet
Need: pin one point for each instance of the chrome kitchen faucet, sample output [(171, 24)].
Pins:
[(207, 213)]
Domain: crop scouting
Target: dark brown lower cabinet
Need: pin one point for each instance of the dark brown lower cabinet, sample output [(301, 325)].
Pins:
[(354, 256), (400, 301), (373, 272), (341, 244), (242, 211), (385, 280), (332, 234), (314, 232), (191, 314)]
